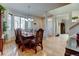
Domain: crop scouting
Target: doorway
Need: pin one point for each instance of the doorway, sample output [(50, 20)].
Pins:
[(62, 28)]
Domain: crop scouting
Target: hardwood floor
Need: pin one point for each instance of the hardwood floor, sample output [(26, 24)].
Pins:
[(53, 46)]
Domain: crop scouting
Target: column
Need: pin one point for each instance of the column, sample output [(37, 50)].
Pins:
[(12, 23), (53, 27), (45, 27), (12, 26)]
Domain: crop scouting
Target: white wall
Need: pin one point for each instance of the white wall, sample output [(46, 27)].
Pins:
[(49, 26), (53, 26), (65, 9), (66, 13), (75, 29), (71, 10), (59, 19)]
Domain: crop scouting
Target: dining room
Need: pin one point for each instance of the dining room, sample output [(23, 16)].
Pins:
[(30, 30)]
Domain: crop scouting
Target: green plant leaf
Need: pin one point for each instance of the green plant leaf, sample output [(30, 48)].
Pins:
[(75, 17), (2, 8)]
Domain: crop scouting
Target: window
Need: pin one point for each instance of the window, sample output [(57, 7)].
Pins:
[(16, 22), (9, 21), (22, 23), (30, 23)]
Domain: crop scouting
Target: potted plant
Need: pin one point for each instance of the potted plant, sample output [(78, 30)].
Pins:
[(5, 29), (2, 10)]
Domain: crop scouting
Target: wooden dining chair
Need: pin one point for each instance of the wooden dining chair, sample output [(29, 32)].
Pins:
[(16, 40), (38, 40), (19, 40)]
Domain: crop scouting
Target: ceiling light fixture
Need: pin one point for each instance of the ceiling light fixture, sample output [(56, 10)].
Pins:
[(29, 18)]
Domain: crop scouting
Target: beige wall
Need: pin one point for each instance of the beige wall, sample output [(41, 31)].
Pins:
[(39, 21)]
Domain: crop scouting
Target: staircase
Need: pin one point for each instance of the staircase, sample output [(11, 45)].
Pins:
[(74, 25), (74, 28)]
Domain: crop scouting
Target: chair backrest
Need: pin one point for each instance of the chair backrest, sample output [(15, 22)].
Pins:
[(18, 35), (15, 33), (39, 36), (19, 32)]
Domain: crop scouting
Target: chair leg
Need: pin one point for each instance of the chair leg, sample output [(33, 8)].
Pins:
[(18, 46), (41, 46), (35, 49), (23, 48), (30, 45)]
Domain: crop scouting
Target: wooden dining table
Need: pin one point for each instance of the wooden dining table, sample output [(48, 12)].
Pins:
[(28, 34), (27, 37)]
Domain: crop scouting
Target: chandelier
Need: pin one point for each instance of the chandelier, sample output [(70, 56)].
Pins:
[(29, 18)]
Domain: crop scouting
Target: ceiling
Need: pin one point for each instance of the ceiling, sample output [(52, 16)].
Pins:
[(36, 9)]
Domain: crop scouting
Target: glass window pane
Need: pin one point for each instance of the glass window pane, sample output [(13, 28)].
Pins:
[(22, 23), (16, 22), (29, 24)]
